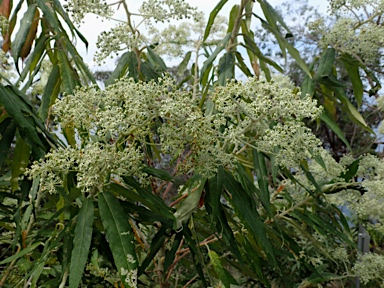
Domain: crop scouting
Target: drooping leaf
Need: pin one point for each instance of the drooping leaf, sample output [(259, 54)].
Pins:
[(156, 60), (226, 68), (208, 63), (352, 66), (262, 178), (30, 38), (20, 161), (212, 17), (23, 252), (50, 93), (184, 64), (7, 131), (194, 187), (225, 277), (22, 33), (120, 238), (81, 243), (246, 212)]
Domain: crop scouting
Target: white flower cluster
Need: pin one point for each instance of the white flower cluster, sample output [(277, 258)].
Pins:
[(364, 42), (79, 8), (370, 267), (267, 115), (118, 39), (116, 126), (165, 10), (345, 6)]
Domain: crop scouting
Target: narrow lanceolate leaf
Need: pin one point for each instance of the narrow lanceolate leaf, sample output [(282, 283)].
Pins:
[(156, 60), (7, 131), (50, 93), (20, 161), (249, 215), (262, 178), (23, 252), (184, 64), (226, 68), (208, 63), (307, 87), (352, 66), (81, 243), (216, 185), (335, 128), (121, 68), (226, 278), (120, 237), (30, 36), (68, 77), (185, 209), (212, 17), (22, 33)]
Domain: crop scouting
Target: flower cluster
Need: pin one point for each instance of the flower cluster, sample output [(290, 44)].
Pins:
[(118, 39), (358, 34), (115, 128), (79, 8), (370, 267), (267, 115), (165, 10)]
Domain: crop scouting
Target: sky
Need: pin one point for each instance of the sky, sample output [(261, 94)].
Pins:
[(93, 26)]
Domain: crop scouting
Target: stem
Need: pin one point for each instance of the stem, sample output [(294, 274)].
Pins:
[(236, 26)]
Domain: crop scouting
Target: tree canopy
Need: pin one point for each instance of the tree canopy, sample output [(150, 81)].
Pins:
[(253, 163)]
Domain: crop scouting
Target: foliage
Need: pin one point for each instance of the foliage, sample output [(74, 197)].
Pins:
[(202, 180)]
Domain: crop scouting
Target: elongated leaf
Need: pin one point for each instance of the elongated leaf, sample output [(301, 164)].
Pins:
[(81, 243), (68, 77), (226, 278), (326, 63), (307, 87), (286, 45), (120, 238), (249, 215), (352, 66), (49, 14), (184, 64), (208, 63), (232, 17), (226, 68), (216, 186), (243, 67), (50, 93), (22, 33), (184, 211), (121, 68), (20, 161), (262, 178), (148, 72), (212, 17), (7, 131), (333, 126), (156, 60), (30, 36), (23, 252)]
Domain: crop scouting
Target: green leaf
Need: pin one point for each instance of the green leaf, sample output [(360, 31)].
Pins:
[(232, 18), (148, 71), (352, 66), (81, 243), (20, 161), (226, 278), (7, 132), (23, 252), (156, 60), (121, 68), (216, 185), (307, 87), (262, 179), (120, 238), (212, 17), (246, 212), (194, 187), (284, 44), (243, 67), (208, 63), (326, 63), (22, 33), (226, 68), (333, 126), (49, 15), (320, 277), (50, 93), (68, 77), (184, 64), (350, 171)]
